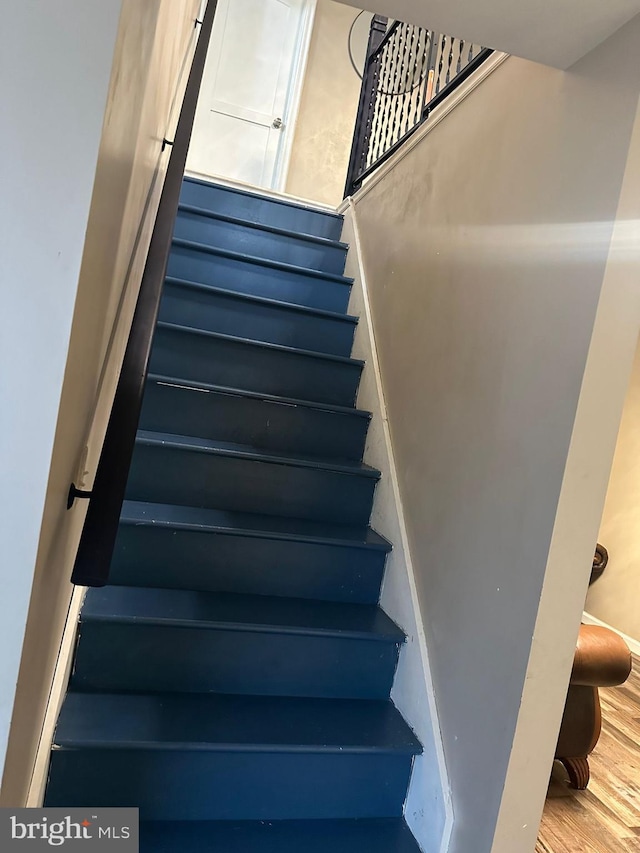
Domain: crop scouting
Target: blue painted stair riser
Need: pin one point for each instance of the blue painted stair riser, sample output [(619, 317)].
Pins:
[(245, 565), (237, 235), (268, 423), (286, 283), (274, 322), (238, 363), (261, 209), (180, 474)]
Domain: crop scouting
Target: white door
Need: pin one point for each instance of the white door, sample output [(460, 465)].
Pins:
[(244, 107)]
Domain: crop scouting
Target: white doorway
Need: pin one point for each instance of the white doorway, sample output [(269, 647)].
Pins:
[(250, 91)]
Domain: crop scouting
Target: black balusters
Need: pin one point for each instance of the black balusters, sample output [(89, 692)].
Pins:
[(408, 71), (358, 160)]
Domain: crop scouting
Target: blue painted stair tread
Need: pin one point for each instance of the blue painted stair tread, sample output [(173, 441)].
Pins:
[(200, 264), (239, 613), (389, 835), (243, 451), (243, 273), (259, 208), (231, 758), (220, 359), (248, 524), (265, 241), (223, 722), (233, 679), (179, 406), (259, 318), (231, 449)]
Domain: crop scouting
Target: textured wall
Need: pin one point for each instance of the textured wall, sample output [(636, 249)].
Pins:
[(326, 119)]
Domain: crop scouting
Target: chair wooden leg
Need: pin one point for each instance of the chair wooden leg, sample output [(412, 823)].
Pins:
[(578, 770)]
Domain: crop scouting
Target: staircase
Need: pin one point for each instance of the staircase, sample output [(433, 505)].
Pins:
[(233, 679)]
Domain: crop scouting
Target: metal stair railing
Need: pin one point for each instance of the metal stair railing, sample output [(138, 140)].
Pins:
[(408, 71)]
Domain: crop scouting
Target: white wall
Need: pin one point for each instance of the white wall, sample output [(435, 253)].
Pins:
[(55, 61), (615, 598), (553, 32), (486, 248), (81, 187)]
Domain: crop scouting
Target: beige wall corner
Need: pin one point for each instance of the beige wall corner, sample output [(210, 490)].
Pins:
[(328, 106), (615, 597), (149, 67)]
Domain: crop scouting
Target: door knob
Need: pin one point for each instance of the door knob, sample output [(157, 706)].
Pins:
[(277, 123)]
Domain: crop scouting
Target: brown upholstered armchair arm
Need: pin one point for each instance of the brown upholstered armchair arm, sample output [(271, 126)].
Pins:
[(602, 658)]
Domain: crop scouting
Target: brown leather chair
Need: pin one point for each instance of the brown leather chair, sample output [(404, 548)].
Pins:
[(602, 659)]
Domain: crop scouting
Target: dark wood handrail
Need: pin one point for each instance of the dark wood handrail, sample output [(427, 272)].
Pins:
[(98, 537)]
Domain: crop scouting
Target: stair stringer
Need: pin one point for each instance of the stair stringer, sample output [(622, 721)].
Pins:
[(428, 807)]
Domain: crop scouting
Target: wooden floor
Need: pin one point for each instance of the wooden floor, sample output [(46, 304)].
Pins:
[(606, 817)]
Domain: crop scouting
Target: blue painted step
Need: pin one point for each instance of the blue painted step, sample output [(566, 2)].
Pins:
[(255, 366), (202, 472), (228, 757), (245, 274), (135, 639), (233, 681), (267, 422), (262, 241), (376, 835), (260, 208), (178, 547), (246, 316)]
